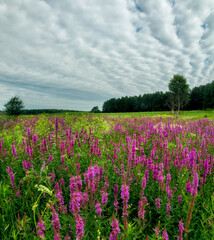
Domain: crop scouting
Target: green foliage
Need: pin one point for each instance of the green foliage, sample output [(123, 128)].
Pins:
[(95, 110), (179, 90), (14, 106)]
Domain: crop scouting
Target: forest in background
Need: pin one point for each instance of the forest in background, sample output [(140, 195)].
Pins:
[(200, 98)]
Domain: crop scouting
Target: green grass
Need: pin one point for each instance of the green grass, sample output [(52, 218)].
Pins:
[(193, 115)]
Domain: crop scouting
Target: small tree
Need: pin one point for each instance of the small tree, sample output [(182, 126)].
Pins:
[(95, 110), (179, 92), (14, 106)]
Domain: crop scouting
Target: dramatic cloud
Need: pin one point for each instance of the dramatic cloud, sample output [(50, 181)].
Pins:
[(77, 54)]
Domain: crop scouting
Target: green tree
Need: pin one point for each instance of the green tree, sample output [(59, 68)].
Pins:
[(14, 106), (95, 110), (179, 90), (209, 95), (197, 98)]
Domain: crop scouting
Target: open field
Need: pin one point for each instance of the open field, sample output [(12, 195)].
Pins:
[(194, 114), (107, 176)]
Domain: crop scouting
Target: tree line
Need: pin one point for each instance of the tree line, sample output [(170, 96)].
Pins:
[(198, 98)]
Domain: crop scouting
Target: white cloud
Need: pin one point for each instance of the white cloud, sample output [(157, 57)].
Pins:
[(75, 55)]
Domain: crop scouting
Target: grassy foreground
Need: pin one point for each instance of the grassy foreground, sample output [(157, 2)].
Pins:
[(107, 176)]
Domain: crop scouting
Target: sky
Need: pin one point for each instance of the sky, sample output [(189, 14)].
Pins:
[(69, 54)]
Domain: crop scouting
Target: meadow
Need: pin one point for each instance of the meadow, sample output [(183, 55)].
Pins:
[(107, 176)]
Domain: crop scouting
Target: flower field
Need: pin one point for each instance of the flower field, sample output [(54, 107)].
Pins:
[(87, 177)]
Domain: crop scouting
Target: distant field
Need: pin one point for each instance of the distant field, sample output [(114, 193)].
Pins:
[(193, 115)]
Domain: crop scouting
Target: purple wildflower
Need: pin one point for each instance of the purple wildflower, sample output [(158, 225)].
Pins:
[(168, 177), (165, 235), (98, 209), (194, 189), (125, 197), (168, 209), (143, 186), (79, 182), (41, 228), (180, 230), (26, 165), (157, 231), (55, 219), (52, 175), (12, 178), (188, 186), (115, 229), (63, 160), (125, 192), (104, 197), (41, 233), (35, 138), (67, 237), (50, 158), (157, 202), (79, 226), (180, 199), (74, 204)]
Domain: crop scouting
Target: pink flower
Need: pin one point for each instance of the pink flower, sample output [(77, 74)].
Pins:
[(115, 229), (157, 202), (125, 193), (78, 182), (180, 230), (74, 204), (168, 209), (168, 177), (98, 209), (157, 231), (165, 235), (35, 138), (188, 186), (41, 233), (18, 193), (12, 178), (79, 226), (41, 228), (13, 149), (125, 197), (72, 185), (143, 186), (60, 199), (57, 125), (55, 219), (50, 159), (194, 189), (104, 197), (180, 199), (52, 175), (62, 160), (62, 181)]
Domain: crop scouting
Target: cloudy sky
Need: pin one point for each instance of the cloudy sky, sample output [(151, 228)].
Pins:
[(71, 54)]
